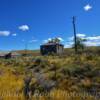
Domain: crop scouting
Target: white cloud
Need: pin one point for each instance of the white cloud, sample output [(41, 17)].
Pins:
[(4, 33), (49, 39), (85, 37), (81, 35), (31, 41), (61, 39), (68, 44), (93, 38), (46, 40), (78, 35), (14, 34), (24, 27), (87, 7), (71, 38), (92, 43)]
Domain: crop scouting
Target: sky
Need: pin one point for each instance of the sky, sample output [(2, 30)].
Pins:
[(33, 22)]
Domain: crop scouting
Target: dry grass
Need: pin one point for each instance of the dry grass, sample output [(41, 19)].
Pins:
[(75, 75)]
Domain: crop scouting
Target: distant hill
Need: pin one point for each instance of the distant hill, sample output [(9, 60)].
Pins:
[(32, 52), (66, 51)]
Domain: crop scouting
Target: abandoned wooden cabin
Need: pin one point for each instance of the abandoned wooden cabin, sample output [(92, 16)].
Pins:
[(5, 55), (51, 48), (8, 55)]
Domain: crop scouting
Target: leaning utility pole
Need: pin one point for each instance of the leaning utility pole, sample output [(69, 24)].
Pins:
[(75, 37)]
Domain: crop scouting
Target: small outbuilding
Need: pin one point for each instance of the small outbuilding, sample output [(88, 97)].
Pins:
[(8, 55), (5, 55), (51, 48)]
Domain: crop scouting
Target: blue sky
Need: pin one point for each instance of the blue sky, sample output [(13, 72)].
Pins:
[(33, 22)]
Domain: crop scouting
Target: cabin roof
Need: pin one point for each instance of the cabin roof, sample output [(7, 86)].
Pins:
[(3, 53)]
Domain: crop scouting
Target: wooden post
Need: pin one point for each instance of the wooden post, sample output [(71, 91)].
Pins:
[(75, 37)]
